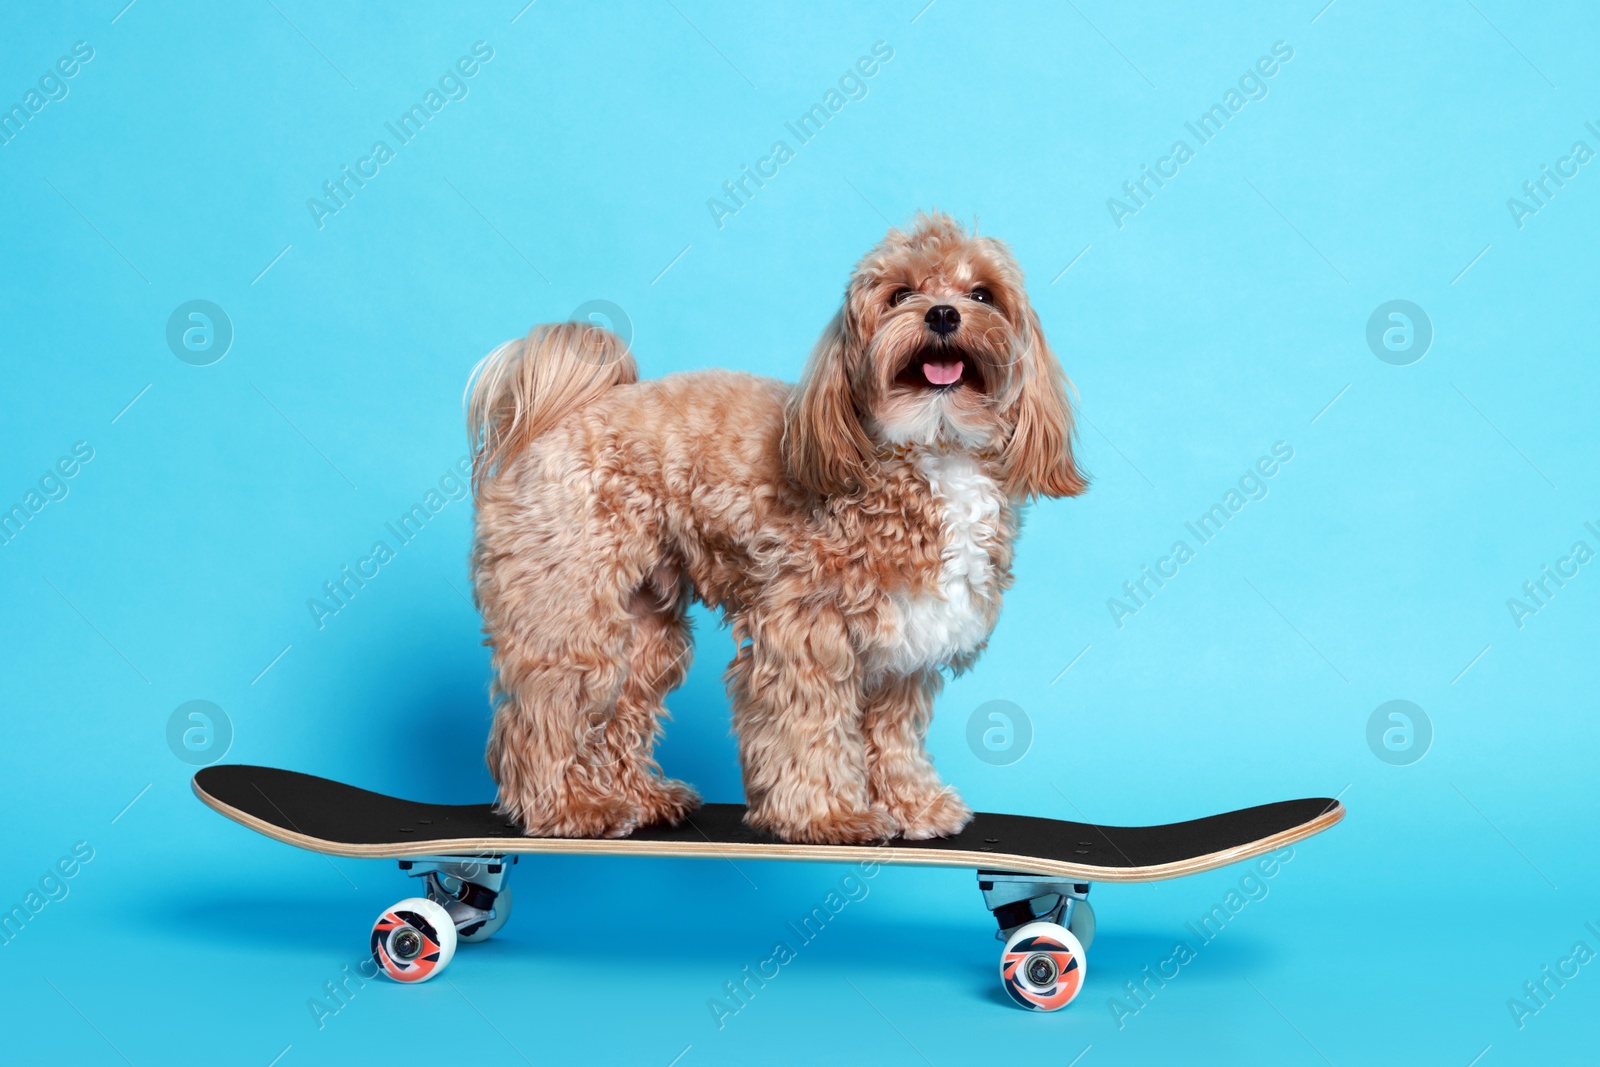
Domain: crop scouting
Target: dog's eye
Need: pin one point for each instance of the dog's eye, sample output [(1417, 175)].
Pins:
[(901, 296), (982, 295)]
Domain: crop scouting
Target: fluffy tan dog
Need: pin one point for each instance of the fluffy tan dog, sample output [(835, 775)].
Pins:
[(855, 530)]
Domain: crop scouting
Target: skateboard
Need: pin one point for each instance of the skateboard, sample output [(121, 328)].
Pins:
[(1034, 873)]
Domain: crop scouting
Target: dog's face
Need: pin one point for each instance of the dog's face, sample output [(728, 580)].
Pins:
[(936, 345)]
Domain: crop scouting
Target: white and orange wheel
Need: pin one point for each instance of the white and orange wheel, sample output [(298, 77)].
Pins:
[(413, 940), (1043, 966)]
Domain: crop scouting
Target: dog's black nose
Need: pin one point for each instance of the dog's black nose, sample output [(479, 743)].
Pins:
[(942, 318)]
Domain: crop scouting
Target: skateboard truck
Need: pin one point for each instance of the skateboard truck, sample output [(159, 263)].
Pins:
[(1019, 899), (470, 889)]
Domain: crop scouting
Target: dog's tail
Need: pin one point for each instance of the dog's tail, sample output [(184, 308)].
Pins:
[(525, 387)]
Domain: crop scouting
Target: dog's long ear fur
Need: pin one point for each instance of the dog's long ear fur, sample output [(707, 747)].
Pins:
[(1038, 459), (824, 447)]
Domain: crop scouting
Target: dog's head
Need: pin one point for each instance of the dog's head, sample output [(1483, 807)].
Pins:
[(936, 345)]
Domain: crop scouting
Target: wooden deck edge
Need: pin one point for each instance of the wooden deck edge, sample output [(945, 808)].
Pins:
[(885, 854)]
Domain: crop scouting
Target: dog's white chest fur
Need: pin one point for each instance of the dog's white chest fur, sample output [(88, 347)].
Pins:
[(955, 619)]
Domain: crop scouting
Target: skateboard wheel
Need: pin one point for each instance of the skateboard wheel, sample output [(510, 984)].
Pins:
[(1082, 923), (1042, 966), (413, 940), (489, 927)]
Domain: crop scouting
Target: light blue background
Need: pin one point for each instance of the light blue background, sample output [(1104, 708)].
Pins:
[(1225, 316)]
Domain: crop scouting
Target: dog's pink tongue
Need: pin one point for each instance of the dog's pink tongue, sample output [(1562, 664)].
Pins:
[(942, 372)]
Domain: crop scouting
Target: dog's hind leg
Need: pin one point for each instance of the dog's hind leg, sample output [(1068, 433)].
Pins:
[(657, 662), (583, 657), (553, 702), (556, 608)]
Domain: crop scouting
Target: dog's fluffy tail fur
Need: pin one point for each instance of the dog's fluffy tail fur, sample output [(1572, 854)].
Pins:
[(525, 387)]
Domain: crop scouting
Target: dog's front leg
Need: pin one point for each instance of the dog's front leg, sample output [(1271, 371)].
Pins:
[(895, 720), (796, 707)]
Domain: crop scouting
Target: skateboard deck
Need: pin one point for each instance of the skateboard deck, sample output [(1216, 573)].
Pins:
[(342, 820), (1034, 873)]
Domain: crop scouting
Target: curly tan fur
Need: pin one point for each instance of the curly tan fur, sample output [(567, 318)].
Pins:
[(855, 530)]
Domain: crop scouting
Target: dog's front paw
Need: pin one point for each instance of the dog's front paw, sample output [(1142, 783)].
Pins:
[(666, 802), (939, 813), (837, 827), (577, 816)]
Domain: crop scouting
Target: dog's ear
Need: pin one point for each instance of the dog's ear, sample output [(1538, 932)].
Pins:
[(824, 447), (1038, 459)]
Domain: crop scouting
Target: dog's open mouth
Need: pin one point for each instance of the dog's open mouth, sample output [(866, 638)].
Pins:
[(940, 368)]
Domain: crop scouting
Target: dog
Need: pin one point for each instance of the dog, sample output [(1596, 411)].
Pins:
[(855, 530)]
